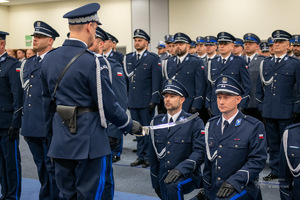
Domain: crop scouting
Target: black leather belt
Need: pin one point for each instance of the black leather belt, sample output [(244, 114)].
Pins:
[(81, 110)]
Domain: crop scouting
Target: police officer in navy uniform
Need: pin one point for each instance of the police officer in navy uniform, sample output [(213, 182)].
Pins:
[(201, 48), (236, 149), (161, 50), (289, 163), (119, 88), (33, 123), (144, 74), (108, 51), (169, 39), (264, 47), (226, 64), (77, 106), (271, 43), (11, 97), (192, 49), (238, 48), (295, 41), (189, 70), (177, 152), (276, 97), (253, 59), (211, 44)]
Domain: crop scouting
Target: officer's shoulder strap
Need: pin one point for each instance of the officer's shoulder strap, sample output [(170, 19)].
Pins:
[(158, 116), (250, 119), (152, 54), (214, 118), (293, 126), (261, 56), (293, 58)]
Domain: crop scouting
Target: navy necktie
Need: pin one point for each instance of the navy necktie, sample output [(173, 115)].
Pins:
[(38, 58), (226, 124), (223, 61), (277, 60), (138, 57), (171, 120), (248, 61)]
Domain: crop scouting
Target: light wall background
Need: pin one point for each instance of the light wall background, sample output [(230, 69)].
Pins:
[(238, 17), (158, 17), (115, 16)]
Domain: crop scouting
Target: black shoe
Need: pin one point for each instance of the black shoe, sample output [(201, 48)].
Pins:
[(270, 177), (145, 164), (115, 159), (134, 150), (137, 162)]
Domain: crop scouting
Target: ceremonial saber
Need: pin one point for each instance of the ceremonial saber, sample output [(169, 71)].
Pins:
[(146, 129)]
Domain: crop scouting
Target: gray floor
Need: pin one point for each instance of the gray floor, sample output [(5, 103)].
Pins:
[(136, 179)]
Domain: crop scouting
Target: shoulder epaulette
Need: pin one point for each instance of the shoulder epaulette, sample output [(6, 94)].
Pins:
[(158, 116), (293, 126), (153, 54), (250, 119), (215, 117)]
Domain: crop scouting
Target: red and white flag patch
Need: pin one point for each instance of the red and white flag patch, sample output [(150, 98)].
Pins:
[(18, 69), (159, 64), (119, 74), (202, 132), (261, 136)]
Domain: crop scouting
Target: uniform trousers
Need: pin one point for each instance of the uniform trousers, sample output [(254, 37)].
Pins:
[(175, 191), (142, 115), (10, 167), (109, 188), (80, 179), (274, 131), (45, 167)]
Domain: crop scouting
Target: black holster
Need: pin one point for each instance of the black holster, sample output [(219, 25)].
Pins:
[(68, 115)]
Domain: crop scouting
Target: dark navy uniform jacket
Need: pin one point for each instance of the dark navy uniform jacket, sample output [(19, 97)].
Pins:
[(11, 92), (288, 174), (235, 67), (277, 100), (253, 69), (117, 56), (191, 74), (120, 89), (79, 88), (33, 123), (144, 79), (237, 156), (184, 149)]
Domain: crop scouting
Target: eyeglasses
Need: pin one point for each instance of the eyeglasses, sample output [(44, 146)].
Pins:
[(223, 43)]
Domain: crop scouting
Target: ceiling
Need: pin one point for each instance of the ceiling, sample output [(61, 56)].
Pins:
[(18, 2)]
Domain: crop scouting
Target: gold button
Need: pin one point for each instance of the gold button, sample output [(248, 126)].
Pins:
[(219, 178), (242, 187), (168, 171), (176, 74), (274, 87), (219, 168), (182, 140), (220, 146), (133, 87), (29, 95), (30, 85), (168, 142), (168, 152), (31, 76), (168, 162), (221, 74), (219, 157), (275, 74), (274, 80), (135, 69), (29, 105), (293, 154), (236, 146), (274, 94)]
